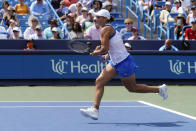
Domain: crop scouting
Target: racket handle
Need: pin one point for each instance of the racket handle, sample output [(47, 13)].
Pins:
[(101, 57)]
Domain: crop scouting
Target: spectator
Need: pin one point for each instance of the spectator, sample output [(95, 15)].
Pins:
[(126, 32), (193, 3), (21, 8), (63, 10), (10, 15), (192, 16), (144, 5), (70, 2), (165, 13), (10, 31), (30, 46), (39, 7), (87, 24), (3, 33), (16, 33), (168, 46), (55, 34), (32, 22), (69, 23), (84, 17), (93, 32), (135, 34), (4, 9), (185, 4), (128, 46), (180, 23), (190, 33), (108, 6), (48, 31), (75, 8), (178, 8), (97, 5), (55, 4), (39, 35), (76, 32)]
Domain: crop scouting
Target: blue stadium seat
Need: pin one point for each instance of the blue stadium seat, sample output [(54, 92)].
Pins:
[(118, 21)]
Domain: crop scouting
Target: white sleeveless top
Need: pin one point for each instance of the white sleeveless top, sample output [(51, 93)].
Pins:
[(117, 50)]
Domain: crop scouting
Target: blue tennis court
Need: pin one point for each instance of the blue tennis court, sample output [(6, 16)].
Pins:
[(114, 116)]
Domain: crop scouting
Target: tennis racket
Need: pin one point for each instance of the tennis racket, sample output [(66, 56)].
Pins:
[(79, 47), (82, 47)]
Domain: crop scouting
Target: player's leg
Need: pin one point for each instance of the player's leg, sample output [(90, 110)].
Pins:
[(106, 75), (130, 84)]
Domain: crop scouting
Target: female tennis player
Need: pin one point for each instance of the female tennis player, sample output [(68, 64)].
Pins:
[(121, 63)]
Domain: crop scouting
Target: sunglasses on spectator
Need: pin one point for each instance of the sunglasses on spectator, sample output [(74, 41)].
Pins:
[(34, 20), (127, 23)]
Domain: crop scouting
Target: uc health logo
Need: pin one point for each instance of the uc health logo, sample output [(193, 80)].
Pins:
[(180, 67)]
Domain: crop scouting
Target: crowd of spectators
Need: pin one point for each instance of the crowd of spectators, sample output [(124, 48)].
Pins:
[(78, 17)]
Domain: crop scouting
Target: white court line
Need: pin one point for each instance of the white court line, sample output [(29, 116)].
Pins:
[(73, 106), (169, 110)]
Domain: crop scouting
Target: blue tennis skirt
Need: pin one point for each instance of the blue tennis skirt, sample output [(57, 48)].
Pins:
[(125, 68)]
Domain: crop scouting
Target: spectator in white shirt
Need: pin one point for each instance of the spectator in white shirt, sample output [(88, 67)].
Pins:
[(178, 8), (93, 32), (84, 17), (33, 22), (39, 35)]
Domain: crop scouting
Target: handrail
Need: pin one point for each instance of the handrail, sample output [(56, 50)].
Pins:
[(69, 36)]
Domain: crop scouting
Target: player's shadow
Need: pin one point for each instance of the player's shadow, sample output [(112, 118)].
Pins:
[(150, 124)]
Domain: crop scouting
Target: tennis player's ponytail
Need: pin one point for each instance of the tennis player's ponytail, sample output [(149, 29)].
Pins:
[(111, 19)]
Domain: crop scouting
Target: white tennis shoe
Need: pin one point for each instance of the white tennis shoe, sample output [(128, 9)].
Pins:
[(163, 91), (90, 112)]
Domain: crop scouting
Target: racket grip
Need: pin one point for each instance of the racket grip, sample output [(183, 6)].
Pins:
[(101, 57)]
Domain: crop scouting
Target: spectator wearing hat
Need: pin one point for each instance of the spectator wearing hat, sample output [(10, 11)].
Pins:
[(13, 24), (128, 46), (48, 31), (126, 32), (39, 7), (180, 23), (135, 35), (93, 32), (55, 34), (32, 22), (168, 46), (165, 13), (192, 16), (3, 32), (190, 33), (84, 17), (63, 10), (178, 7), (16, 33), (22, 8), (10, 15), (76, 32), (39, 35), (108, 6)]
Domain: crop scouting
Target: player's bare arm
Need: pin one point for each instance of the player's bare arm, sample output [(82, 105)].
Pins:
[(106, 33)]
